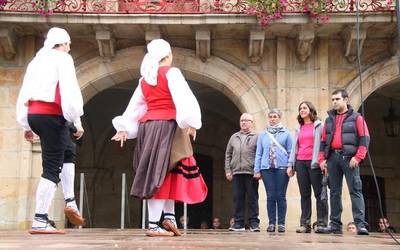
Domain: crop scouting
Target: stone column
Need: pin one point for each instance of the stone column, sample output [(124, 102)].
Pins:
[(322, 77), (281, 67)]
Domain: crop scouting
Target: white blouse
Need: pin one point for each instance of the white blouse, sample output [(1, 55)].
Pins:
[(187, 108), (40, 82)]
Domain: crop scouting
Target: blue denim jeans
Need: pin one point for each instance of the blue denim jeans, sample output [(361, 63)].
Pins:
[(275, 183), (337, 167)]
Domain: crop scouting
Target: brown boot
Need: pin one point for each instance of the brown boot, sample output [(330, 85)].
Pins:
[(170, 226), (73, 216)]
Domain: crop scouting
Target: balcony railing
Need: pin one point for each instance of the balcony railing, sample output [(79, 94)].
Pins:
[(178, 6)]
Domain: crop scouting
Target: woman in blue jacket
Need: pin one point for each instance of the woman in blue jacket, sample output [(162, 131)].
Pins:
[(273, 150)]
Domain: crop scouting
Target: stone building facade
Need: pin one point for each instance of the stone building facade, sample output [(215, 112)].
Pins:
[(233, 66)]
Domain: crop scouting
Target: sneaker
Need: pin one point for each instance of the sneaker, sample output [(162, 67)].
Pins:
[(304, 229), (271, 228), (158, 232), (255, 227), (281, 228), (237, 228), (74, 216), (328, 230), (319, 229), (362, 231), (42, 226), (170, 225)]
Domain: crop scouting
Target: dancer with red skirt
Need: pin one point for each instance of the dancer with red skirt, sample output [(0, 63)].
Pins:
[(162, 114)]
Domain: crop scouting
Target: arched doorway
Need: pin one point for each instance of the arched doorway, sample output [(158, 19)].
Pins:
[(381, 83), (223, 91), (384, 155)]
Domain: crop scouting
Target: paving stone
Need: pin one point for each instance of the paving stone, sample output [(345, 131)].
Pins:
[(193, 240)]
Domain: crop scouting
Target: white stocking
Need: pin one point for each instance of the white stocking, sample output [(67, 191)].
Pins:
[(44, 195), (67, 177), (155, 207)]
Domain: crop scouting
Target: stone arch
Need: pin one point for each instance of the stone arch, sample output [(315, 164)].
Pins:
[(373, 78), (96, 75)]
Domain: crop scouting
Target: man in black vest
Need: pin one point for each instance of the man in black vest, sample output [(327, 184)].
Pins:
[(344, 144)]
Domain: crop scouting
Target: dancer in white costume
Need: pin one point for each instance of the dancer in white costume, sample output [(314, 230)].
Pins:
[(50, 96), (160, 107)]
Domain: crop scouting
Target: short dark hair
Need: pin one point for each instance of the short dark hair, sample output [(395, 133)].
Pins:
[(313, 112), (351, 223), (383, 219), (342, 92)]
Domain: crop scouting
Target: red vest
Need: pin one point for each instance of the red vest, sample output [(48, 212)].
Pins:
[(160, 105), (47, 108)]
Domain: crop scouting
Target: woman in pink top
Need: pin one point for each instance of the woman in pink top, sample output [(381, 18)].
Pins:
[(304, 160)]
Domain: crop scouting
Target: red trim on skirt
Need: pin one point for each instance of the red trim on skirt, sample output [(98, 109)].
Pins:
[(184, 183)]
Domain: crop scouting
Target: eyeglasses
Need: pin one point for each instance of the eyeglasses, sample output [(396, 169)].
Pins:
[(273, 116), (245, 120)]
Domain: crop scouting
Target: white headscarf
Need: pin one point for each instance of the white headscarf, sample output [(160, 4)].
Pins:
[(156, 50), (54, 36)]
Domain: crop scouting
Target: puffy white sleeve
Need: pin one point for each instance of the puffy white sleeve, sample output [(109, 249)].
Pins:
[(71, 96), (187, 108), (22, 108), (129, 120)]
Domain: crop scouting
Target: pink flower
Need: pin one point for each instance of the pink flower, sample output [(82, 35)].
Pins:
[(251, 10), (324, 18), (283, 3)]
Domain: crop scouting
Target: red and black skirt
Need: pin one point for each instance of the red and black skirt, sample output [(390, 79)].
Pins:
[(184, 183), (151, 179)]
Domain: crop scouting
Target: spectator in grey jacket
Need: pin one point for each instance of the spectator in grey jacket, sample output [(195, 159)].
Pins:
[(239, 169), (304, 160)]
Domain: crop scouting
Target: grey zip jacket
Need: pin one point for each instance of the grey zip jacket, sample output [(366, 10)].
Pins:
[(239, 155), (317, 140)]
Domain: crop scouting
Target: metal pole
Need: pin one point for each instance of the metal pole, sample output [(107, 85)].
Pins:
[(144, 214), (123, 200), (398, 22), (82, 181), (185, 217)]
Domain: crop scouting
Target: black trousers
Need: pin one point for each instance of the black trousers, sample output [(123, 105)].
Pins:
[(338, 165), (54, 136), (70, 151), (245, 185), (307, 178)]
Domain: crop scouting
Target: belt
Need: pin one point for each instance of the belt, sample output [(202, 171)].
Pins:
[(338, 151)]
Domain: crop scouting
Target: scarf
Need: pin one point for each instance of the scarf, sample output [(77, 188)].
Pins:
[(273, 163), (156, 50), (275, 128)]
